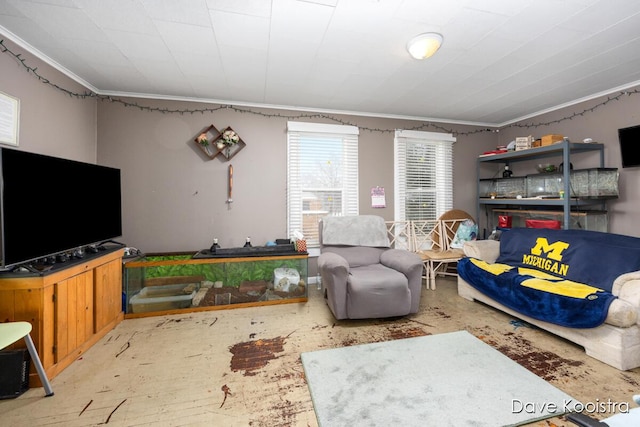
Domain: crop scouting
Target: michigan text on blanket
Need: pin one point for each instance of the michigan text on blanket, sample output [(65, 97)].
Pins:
[(553, 254)]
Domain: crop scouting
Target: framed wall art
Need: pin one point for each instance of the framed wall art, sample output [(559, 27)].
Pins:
[(9, 119)]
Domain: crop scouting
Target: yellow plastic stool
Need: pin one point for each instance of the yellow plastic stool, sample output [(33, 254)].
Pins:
[(11, 332)]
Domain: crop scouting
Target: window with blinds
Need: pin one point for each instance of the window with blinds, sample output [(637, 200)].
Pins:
[(423, 174), (322, 176)]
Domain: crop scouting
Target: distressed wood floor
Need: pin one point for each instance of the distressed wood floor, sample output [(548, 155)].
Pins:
[(242, 367)]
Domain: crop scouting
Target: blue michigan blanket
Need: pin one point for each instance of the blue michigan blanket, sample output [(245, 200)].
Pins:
[(558, 276), (538, 295)]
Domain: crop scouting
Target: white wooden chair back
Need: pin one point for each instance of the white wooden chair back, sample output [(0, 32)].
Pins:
[(432, 240), (449, 228), (426, 235), (400, 234)]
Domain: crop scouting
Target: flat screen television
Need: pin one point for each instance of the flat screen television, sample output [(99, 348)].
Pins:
[(629, 143), (50, 205)]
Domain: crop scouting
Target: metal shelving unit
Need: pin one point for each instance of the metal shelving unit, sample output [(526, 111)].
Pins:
[(563, 149)]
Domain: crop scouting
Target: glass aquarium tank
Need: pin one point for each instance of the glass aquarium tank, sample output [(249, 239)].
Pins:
[(166, 282), (502, 188), (584, 183)]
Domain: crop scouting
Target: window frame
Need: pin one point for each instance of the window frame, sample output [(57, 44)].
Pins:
[(296, 134), (442, 188)]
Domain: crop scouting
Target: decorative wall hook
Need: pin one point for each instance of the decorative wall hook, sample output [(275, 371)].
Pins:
[(230, 194)]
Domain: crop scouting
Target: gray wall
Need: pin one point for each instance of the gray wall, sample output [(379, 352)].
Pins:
[(174, 197), (51, 122), (601, 124)]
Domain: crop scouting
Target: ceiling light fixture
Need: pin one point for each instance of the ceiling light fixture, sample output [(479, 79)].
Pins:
[(424, 45)]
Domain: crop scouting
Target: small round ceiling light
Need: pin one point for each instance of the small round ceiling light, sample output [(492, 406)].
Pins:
[(424, 45)]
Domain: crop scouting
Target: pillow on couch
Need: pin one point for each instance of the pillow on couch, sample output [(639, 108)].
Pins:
[(467, 231)]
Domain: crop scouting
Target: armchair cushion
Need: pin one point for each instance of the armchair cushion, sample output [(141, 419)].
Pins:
[(376, 291)]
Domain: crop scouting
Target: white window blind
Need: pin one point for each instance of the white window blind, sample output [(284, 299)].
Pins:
[(423, 174), (322, 176)]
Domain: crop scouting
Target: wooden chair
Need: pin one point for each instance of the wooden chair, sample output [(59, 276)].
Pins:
[(400, 234), (426, 239), (12, 332), (438, 258)]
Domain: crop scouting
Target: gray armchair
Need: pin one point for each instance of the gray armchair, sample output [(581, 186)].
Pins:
[(362, 276)]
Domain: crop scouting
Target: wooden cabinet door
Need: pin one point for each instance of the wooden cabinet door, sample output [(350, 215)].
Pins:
[(74, 311), (108, 293)]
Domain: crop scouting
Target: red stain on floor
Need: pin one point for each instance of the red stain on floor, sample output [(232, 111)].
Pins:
[(545, 364), (251, 356)]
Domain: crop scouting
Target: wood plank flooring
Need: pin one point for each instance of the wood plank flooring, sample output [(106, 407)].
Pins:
[(241, 367)]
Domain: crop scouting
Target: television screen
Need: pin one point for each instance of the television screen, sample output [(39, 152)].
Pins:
[(50, 205), (629, 143)]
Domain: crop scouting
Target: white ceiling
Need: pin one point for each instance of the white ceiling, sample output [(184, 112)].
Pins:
[(501, 60)]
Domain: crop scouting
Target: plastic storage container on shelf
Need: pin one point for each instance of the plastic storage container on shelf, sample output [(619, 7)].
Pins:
[(487, 188), (506, 188), (584, 183), (603, 182), (544, 185)]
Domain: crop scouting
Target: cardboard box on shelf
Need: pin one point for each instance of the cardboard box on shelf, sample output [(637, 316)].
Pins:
[(551, 139), (524, 142)]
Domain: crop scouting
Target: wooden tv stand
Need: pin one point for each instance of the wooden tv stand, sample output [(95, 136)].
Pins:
[(70, 307)]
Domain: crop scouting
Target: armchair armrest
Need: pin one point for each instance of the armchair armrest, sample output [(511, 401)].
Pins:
[(627, 287), (334, 270), (485, 250), (410, 264), (407, 263)]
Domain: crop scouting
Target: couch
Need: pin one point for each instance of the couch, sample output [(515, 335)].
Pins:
[(581, 285), (362, 276)]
